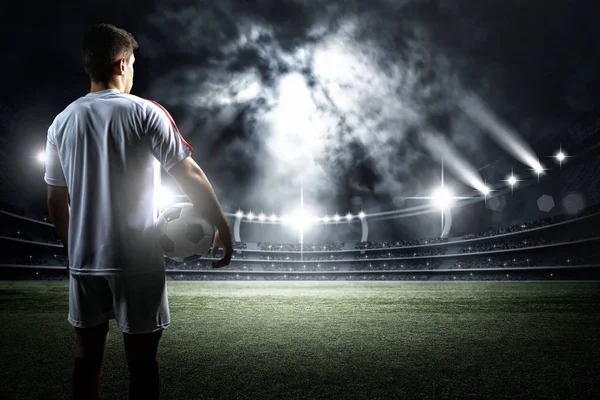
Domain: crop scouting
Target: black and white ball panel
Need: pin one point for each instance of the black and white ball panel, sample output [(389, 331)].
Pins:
[(183, 234)]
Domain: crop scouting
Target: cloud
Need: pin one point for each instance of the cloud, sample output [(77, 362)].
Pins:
[(338, 95)]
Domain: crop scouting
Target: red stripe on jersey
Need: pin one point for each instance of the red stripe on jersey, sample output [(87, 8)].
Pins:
[(174, 125)]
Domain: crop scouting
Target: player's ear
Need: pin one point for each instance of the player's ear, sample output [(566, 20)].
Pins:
[(121, 64)]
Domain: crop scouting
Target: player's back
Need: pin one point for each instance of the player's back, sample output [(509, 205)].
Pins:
[(105, 142)]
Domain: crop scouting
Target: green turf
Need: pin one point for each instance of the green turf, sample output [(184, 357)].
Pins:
[(329, 340)]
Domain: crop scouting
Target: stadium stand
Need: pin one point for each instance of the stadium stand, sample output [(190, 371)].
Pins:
[(524, 251)]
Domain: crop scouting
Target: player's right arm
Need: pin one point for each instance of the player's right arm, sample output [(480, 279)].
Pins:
[(173, 153)]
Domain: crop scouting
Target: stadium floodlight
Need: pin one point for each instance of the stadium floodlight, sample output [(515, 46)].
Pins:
[(361, 215), (326, 219), (512, 180), (336, 218), (442, 198), (301, 220), (163, 196), (285, 219), (239, 214), (261, 217), (273, 218), (41, 156), (560, 156), (538, 168), (485, 190), (250, 216), (349, 217)]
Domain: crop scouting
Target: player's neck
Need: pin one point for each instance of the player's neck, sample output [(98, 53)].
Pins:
[(98, 86)]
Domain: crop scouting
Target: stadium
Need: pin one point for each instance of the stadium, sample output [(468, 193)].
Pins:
[(441, 243), (509, 283)]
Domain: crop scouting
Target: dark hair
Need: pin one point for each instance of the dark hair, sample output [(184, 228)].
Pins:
[(102, 46)]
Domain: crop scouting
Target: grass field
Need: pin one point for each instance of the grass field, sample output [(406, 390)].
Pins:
[(329, 340)]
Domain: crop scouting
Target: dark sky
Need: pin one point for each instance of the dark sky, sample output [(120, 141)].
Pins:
[(344, 97)]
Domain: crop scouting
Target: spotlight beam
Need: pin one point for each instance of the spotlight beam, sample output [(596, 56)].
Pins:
[(442, 149), (505, 136)]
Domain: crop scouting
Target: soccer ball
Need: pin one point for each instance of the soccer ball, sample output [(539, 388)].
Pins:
[(183, 234)]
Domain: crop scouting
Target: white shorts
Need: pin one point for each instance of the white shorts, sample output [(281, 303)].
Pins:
[(137, 302)]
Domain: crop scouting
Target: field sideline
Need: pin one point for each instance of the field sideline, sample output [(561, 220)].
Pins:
[(329, 340)]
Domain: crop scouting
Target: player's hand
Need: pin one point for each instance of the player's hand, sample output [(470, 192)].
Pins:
[(223, 241)]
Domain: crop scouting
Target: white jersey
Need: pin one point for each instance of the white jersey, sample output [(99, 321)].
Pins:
[(103, 147)]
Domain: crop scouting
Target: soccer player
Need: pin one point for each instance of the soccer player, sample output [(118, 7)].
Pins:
[(99, 169)]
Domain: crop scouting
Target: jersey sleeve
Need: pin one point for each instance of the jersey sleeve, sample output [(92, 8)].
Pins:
[(168, 145), (54, 174)]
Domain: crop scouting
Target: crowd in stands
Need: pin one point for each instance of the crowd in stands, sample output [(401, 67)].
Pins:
[(425, 252), (235, 255), (395, 265), (311, 267), (495, 262), (398, 243), (204, 265), (297, 247), (308, 267), (279, 277), (388, 277), (305, 257), (274, 258), (494, 277), (579, 254), (506, 245), (491, 232), (560, 258), (45, 275), (509, 229), (511, 276), (527, 225), (540, 260), (501, 260), (473, 276), (526, 242), (211, 277)]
